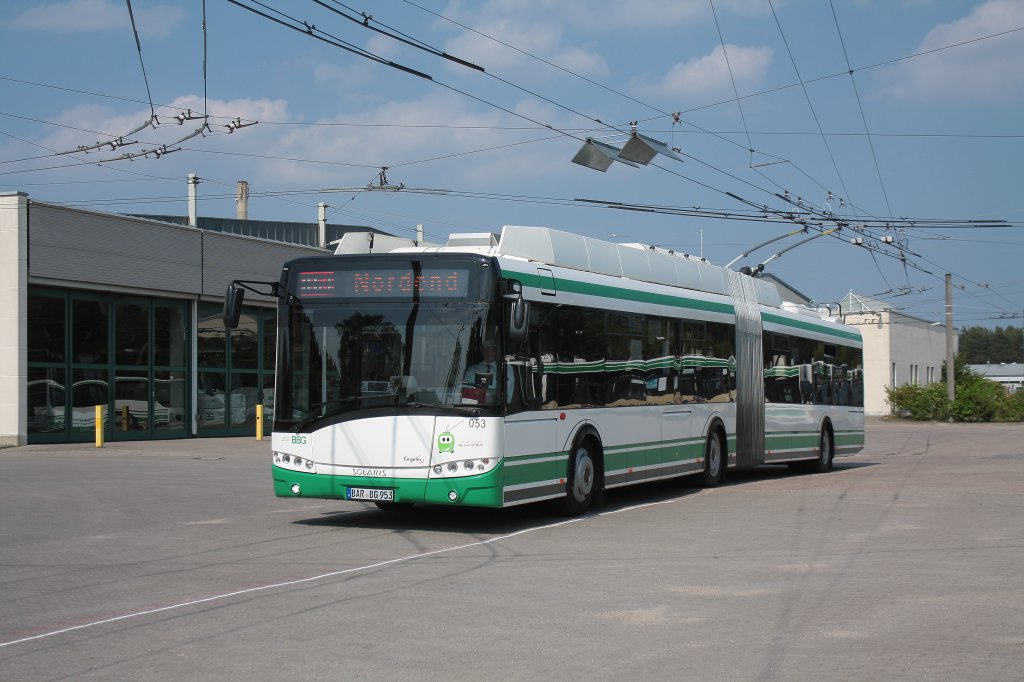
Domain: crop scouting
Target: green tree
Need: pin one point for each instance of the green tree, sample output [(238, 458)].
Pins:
[(980, 345), (977, 399)]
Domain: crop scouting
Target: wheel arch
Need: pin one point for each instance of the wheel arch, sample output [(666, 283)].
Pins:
[(825, 423), (717, 421), (583, 430)]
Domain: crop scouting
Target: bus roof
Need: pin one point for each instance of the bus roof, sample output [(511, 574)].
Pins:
[(544, 245)]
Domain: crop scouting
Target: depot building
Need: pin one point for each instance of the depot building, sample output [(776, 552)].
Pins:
[(124, 312)]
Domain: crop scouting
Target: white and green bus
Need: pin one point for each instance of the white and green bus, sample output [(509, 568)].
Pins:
[(542, 365)]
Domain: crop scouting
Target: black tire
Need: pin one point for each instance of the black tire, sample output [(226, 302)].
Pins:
[(826, 452), (716, 459), (394, 506), (583, 481)]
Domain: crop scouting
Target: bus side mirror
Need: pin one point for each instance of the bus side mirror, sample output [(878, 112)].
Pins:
[(233, 305), (518, 322), (519, 313)]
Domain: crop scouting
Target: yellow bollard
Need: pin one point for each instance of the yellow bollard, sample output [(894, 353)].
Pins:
[(124, 417), (259, 422), (99, 426)]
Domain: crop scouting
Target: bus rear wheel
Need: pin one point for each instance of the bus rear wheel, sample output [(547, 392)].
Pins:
[(582, 483), (825, 453), (714, 460)]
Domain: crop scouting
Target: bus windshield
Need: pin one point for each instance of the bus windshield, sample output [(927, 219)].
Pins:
[(338, 359)]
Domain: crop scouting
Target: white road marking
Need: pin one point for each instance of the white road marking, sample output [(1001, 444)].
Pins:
[(324, 576)]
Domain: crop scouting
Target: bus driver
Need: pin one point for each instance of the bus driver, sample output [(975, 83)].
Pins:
[(480, 381)]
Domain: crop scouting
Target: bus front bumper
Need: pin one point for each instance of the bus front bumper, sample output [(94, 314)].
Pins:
[(481, 490)]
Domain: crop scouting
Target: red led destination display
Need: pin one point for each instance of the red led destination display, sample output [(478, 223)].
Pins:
[(398, 284)]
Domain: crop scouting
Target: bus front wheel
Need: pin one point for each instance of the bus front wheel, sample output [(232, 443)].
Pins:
[(582, 482), (714, 460)]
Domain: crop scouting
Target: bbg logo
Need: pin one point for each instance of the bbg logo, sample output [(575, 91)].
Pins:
[(446, 442), (298, 440)]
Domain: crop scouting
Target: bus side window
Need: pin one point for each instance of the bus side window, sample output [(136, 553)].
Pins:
[(544, 333), (528, 364)]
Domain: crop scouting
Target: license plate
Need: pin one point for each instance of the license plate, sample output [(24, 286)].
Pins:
[(372, 494)]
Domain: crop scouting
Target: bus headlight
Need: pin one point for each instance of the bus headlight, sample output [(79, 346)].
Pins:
[(463, 467), (294, 462)]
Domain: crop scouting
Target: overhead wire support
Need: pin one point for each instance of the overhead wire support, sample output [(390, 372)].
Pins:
[(732, 79), (807, 96), (153, 121), (367, 19), (138, 47), (314, 32), (860, 105), (820, 227)]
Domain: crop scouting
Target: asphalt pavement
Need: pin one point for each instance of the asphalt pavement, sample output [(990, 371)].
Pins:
[(170, 560)]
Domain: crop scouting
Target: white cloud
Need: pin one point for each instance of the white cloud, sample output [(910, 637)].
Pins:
[(599, 16), (569, 34), (708, 76), (405, 141), (89, 16), (985, 70), (333, 156), (540, 38)]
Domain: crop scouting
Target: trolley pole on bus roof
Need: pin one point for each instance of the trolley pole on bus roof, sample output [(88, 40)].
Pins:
[(950, 370)]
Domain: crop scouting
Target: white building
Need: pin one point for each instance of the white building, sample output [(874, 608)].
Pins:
[(898, 348), (1009, 374), (125, 312)]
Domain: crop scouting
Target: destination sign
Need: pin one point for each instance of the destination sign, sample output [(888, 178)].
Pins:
[(400, 284)]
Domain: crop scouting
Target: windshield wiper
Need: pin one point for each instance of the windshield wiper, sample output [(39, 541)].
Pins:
[(464, 409)]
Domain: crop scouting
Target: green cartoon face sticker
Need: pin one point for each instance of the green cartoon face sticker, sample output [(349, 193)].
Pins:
[(446, 442)]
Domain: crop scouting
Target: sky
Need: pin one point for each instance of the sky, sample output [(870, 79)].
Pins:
[(896, 121)]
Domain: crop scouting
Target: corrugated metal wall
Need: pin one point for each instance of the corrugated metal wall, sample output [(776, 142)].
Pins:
[(103, 250)]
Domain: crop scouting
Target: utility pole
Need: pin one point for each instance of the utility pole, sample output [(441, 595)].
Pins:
[(950, 371)]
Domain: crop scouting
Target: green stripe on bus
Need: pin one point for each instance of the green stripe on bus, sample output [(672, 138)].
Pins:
[(809, 326), (533, 472), (622, 294), (849, 438), (535, 455)]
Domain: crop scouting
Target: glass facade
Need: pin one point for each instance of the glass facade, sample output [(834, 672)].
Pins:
[(127, 354), (132, 356), (236, 371)]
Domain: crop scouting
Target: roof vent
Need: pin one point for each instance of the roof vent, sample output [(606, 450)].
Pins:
[(485, 239)]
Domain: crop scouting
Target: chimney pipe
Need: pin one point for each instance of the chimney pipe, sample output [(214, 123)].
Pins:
[(242, 200), (193, 182)]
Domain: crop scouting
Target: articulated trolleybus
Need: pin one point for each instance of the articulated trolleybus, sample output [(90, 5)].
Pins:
[(543, 365)]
